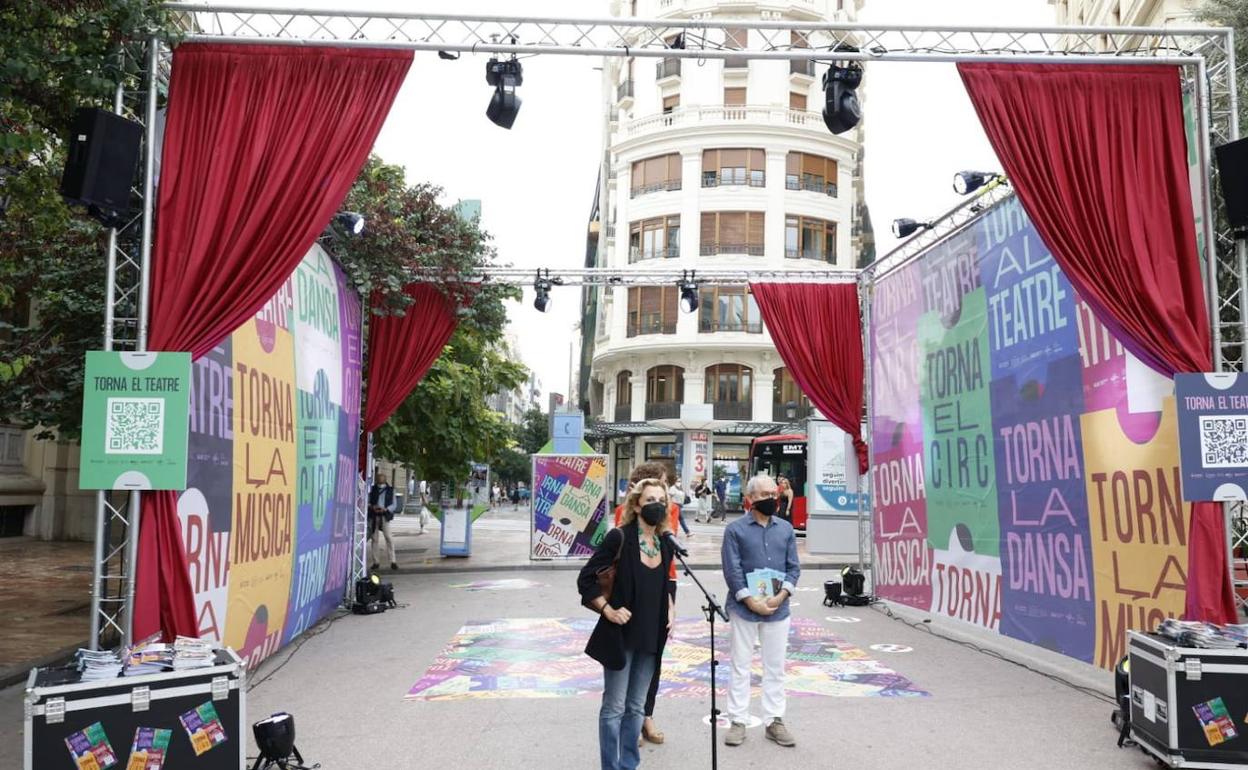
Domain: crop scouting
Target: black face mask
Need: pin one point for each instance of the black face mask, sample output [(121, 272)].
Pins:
[(653, 513), (765, 506)]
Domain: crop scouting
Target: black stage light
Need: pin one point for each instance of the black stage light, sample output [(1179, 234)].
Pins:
[(967, 182), (542, 300), (831, 593), (351, 223), (688, 295), (841, 109), (448, 56), (275, 737), (505, 75), (904, 228)]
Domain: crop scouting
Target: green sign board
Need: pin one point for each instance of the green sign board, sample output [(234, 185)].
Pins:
[(134, 420)]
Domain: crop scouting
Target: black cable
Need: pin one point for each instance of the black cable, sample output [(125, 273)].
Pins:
[(993, 653)]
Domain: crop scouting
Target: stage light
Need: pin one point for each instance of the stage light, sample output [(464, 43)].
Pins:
[(542, 287), (904, 228), (505, 75), (841, 109), (448, 56), (350, 222), (275, 738), (688, 295), (967, 182)]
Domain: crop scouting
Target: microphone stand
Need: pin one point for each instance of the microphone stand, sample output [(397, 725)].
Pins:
[(711, 609)]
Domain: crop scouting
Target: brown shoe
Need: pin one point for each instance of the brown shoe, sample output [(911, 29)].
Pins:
[(776, 731), (736, 734), (650, 732)]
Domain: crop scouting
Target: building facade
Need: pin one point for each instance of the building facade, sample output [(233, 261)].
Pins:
[(711, 164), (1126, 13)]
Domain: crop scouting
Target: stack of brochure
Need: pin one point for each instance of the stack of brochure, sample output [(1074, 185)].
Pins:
[(1195, 633), (189, 652), (764, 583), (97, 664), (150, 658)]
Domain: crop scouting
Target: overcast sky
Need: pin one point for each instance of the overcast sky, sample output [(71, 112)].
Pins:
[(536, 181)]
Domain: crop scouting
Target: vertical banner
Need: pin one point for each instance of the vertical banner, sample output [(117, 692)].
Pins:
[(569, 505), (1025, 469), (268, 512)]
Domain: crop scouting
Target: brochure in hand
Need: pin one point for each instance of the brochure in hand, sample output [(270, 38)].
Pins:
[(764, 583)]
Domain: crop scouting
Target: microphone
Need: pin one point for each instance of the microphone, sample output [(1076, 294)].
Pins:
[(675, 544)]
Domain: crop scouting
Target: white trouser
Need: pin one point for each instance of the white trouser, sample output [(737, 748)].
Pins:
[(775, 638), (379, 548), (704, 508)]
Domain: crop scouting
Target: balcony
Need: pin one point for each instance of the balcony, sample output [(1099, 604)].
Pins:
[(651, 325), (779, 412), (818, 256), (623, 412), (668, 68), (637, 255), (734, 178), (624, 91), (663, 410), (810, 185), (748, 249), (802, 67), (713, 325), (711, 116), (646, 189), (736, 62), (733, 410)]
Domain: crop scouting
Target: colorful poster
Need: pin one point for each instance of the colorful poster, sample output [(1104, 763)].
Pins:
[(203, 727), (1216, 721), (90, 749), (268, 512), (1025, 465), (1213, 435), (134, 420), (569, 505), (150, 749)]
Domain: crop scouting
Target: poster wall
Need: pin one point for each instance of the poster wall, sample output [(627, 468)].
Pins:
[(267, 515), (1025, 465), (569, 505)]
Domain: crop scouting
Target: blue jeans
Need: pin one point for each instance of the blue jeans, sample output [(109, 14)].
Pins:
[(623, 709)]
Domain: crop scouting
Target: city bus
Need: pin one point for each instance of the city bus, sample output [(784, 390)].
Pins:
[(784, 455)]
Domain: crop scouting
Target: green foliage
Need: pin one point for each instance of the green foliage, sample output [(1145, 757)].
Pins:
[(1232, 13), (534, 432), (54, 58)]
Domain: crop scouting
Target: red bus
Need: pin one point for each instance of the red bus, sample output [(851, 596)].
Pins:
[(783, 455)]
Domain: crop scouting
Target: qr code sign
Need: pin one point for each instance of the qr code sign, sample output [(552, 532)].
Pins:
[(136, 426), (1224, 441)]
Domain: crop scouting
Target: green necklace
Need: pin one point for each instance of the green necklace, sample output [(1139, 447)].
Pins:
[(646, 548)]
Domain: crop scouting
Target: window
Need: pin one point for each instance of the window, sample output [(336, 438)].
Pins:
[(728, 383), (671, 102), (797, 101), (732, 232), (728, 309), (665, 385), (734, 166), (655, 174), (654, 239), (735, 39), (734, 97), (805, 67), (814, 173), (810, 238), (652, 310), (784, 390), (623, 388)]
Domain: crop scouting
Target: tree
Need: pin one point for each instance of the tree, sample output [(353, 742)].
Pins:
[(57, 56), (533, 433)]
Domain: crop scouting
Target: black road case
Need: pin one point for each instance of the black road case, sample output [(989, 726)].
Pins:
[(1189, 705), (76, 725)]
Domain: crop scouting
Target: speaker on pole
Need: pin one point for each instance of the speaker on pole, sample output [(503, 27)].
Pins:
[(103, 158), (1233, 175)]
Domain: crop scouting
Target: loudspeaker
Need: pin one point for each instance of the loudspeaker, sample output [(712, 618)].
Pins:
[(1233, 174), (103, 157)]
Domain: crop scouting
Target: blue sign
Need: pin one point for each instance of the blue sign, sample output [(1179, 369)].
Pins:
[(1213, 435), (569, 432)]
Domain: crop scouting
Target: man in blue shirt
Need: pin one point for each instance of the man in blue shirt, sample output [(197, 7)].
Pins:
[(759, 540)]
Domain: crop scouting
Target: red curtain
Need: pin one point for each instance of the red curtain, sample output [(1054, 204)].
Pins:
[(817, 330), (261, 145), (1098, 155), (402, 348)]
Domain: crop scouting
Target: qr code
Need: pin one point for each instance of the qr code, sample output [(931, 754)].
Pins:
[(1224, 441), (136, 426)]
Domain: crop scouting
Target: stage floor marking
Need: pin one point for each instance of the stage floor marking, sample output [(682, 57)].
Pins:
[(545, 658)]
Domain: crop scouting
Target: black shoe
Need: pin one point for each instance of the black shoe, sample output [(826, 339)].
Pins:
[(375, 567), (394, 565)]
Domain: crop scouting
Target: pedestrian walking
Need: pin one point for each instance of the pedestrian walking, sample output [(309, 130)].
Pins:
[(678, 496), (381, 509), (721, 499), (784, 499), (636, 613), (702, 494), (757, 541)]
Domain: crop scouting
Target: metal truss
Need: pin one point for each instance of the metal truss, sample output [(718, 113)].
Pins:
[(609, 276), (143, 66)]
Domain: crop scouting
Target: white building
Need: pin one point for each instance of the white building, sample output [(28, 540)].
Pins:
[(712, 164), (1127, 13)]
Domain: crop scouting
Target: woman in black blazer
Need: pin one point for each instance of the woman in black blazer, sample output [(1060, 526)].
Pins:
[(635, 620)]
